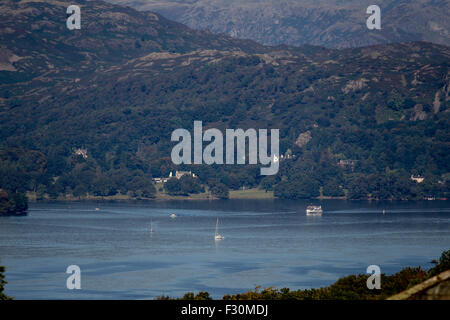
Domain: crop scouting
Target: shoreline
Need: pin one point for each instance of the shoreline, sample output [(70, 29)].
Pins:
[(248, 194)]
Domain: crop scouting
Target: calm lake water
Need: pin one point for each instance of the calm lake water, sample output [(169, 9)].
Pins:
[(267, 243)]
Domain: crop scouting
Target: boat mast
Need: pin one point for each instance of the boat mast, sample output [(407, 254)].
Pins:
[(217, 227)]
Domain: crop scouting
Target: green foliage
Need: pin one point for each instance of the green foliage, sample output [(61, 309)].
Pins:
[(202, 295), (332, 188), (3, 296), (184, 186), (442, 265), (220, 191), (268, 183), (13, 203), (396, 102), (18, 203), (302, 187)]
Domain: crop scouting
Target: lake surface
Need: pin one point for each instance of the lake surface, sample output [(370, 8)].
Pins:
[(267, 243)]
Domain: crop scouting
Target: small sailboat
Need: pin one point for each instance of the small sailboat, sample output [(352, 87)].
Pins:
[(217, 235), (173, 216), (151, 227)]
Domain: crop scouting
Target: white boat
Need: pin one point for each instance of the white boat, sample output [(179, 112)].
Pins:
[(314, 210), (151, 227), (217, 235), (173, 215)]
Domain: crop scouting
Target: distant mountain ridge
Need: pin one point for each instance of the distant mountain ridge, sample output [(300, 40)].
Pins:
[(118, 87), (330, 23)]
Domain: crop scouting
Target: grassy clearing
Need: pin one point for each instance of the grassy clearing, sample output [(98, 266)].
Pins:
[(254, 193)]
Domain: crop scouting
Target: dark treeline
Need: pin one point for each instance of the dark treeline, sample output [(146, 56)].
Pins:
[(377, 173), (3, 282), (13, 203), (13, 185)]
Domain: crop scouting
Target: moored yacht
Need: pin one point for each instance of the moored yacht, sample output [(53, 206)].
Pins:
[(314, 210)]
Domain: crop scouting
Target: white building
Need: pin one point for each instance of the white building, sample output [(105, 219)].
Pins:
[(81, 152), (418, 179), (178, 175)]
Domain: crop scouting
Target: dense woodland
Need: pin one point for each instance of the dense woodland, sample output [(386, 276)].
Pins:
[(119, 87), (13, 203)]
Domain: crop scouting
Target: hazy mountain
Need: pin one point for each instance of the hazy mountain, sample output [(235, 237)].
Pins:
[(119, 86), (331, 23)]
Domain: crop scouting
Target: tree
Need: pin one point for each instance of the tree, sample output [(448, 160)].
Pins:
[(141, 187), (220, 191), (202, 295), (4, 203), (18, 203), (442, 265), (12, 203), (190, 184), (183, 186), (268, 182), (173, 187), (358, 188), (300, 187), (331, 188), (80, 191)]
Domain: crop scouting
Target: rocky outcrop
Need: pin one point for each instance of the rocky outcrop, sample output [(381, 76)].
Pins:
[(303, 139)]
